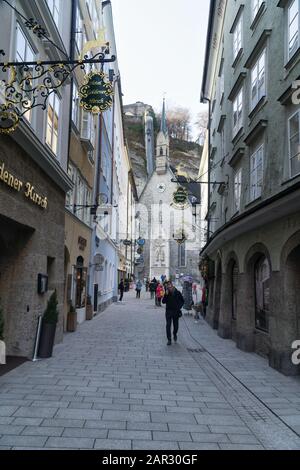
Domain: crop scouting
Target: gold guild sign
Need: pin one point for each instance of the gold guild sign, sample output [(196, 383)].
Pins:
[(96, 93), (17, 185)]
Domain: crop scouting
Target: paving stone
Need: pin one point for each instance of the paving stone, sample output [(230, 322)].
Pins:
[(130, 416), (147, 426), (155, 445), (7, 411), (240, 447), (42, 431), (70, 443), (10, 429), (243, 439), (99, 424), (109, 444), (78, 414), (85, 432), (23, 441), (202, 437), (174, 418), (198, 446), (130, 435), (65, 423), (35, 412), (172, 436), (27, 421), (229, 429)]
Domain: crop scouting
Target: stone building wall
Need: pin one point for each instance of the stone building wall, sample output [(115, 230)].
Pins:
[(32, 240)]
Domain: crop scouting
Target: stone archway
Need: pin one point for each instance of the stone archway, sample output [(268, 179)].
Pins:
[(247, 337), (288, 309)]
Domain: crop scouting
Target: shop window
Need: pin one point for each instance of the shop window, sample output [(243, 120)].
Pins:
[(262, 294)]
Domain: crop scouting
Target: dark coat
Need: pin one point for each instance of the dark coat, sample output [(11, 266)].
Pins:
[(174, 303)]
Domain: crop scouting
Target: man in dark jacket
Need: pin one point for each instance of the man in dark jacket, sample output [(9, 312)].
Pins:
[(121, 289), (174, 302)]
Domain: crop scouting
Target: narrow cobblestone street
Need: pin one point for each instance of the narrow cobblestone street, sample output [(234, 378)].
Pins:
[(114, 384)]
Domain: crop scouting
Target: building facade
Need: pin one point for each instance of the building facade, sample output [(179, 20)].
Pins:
[(114, 193), (169, 231), (84, 131), (252, 255), (33, 180)]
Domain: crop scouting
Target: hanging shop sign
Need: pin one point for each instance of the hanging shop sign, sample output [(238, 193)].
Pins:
[(141, 242), (96, 93), (180, 197), (19, 186), (127, 242), (140, 251)]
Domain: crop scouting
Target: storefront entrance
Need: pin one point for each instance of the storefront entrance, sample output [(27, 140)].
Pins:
[(14, 239)]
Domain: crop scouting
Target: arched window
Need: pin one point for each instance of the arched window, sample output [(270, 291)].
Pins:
[(234, 280), (262, 274)]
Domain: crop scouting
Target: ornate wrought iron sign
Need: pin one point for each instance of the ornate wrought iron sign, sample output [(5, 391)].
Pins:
[(29, 85), (96, 93)]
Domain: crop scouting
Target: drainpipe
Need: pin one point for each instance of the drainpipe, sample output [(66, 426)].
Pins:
[(72, 54)]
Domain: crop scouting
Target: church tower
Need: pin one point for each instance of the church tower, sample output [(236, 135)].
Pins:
[(162, 145)]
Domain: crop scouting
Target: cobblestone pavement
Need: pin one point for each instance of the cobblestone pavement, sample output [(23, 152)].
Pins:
[(115, 384)]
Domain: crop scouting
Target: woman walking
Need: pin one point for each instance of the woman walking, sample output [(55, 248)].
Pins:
[(160, 292)]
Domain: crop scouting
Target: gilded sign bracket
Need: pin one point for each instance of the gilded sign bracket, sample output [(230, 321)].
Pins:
[(30, 84)]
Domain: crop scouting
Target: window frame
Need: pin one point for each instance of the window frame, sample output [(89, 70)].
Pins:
[(256, 195), (237, 192), (255, 67), (297, 113), (54, 96), (289, 55), (255, 7), (27, 46), (238, 38), (236, 129)]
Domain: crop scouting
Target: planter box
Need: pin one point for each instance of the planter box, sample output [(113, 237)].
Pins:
[(46, 340), (72, 322), (89, 312)]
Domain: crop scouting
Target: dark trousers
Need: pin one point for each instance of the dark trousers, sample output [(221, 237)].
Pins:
[(121, 295), (152, 294), (172, 318), (138, 294), (159, 301)]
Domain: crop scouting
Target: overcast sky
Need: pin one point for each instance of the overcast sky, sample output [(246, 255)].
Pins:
[(161, 47)]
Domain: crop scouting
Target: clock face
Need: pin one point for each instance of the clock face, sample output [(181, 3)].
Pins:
[(161, 188)]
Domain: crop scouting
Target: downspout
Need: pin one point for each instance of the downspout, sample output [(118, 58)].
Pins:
[(209, 168), (72, 54)]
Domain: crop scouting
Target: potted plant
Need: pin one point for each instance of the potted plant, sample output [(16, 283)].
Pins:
[(89, 308), (2, 344), (49, 323), (72, 320)]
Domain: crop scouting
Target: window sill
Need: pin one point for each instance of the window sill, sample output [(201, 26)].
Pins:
[(293, 60), (238, 136), (238, 58), (258, 107), (291, 179), (253, 202), (258, 16), (260, 331)]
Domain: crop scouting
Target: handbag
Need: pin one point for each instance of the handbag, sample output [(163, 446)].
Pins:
[(179, 314)]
